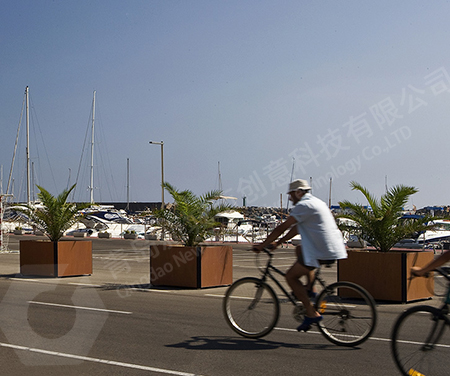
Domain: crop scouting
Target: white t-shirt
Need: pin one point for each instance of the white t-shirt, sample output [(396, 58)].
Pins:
[(321, 238)]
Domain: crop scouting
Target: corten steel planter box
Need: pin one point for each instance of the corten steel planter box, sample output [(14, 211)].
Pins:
[(386, 275), (55, 259), (193, 267)]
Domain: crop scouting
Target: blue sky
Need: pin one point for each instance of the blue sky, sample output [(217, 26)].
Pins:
[(346, 90)]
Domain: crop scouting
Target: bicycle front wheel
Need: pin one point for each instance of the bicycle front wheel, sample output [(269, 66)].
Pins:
[(349, 313), (421, 342), (251, 307)]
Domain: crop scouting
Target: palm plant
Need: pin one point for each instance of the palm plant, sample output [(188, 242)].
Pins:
[(56, 215), (382, 225), (191, 218)]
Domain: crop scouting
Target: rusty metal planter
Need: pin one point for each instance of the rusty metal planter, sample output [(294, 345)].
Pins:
[(55, 259), (386, 275), (193, 267)]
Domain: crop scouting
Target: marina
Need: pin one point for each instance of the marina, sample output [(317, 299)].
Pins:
[(245, 225)]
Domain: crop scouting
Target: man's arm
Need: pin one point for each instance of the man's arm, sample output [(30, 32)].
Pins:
[(293, 231), (277, 232), (436, 263)]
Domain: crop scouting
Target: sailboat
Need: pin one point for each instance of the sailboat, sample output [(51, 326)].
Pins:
[(10, 179), (10, 219), (102, 218)]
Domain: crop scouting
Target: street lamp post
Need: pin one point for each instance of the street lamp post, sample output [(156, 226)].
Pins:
[(162, 170)]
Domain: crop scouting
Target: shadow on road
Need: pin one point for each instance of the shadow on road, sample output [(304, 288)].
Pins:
[(237, 344)]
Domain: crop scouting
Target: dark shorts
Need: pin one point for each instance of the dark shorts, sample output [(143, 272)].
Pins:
[(321, 262)]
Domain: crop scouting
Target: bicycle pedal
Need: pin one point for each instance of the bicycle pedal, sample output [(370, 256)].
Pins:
[(299, 312)]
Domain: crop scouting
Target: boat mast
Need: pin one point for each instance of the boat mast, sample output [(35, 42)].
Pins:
[(33, 196), (128, 184), (28, 146), (220, 180), (281, 199), (329, 197), (220, 176), (91, 183)]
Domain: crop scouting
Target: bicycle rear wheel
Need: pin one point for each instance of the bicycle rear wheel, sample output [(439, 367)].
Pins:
[(349, 313), (251, 307), (421, 342)]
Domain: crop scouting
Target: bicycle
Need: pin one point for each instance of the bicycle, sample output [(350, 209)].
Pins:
[(420, 338), (252, 308)]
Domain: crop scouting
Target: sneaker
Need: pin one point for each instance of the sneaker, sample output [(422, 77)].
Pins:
[(307, 322)]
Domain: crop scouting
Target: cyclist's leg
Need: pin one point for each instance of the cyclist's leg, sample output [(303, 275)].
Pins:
[(293, 276), (309, 276)]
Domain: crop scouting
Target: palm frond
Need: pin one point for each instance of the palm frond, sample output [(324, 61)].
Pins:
[(56, 215), (191, 219), (383, 226)]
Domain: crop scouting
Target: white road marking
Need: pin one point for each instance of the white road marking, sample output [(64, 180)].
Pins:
[(79, 307), (83, 284), (97, 360), (370, 338), (164, 291)]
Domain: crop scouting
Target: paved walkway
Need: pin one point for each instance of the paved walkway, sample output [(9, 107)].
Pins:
[(124, 263)]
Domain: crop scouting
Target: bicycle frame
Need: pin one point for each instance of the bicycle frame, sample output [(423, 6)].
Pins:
[(268, 273), (445, 272)]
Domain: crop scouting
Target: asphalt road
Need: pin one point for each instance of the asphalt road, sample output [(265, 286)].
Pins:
[(112, 323)]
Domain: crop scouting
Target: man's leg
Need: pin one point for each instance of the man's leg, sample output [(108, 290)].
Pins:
[(293, 276), (310, 274)]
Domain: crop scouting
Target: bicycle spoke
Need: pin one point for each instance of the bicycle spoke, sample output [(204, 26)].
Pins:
[(251, 308), (345, 323)]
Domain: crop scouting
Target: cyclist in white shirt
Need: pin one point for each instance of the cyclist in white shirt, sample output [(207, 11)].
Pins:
[(321, 242)]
